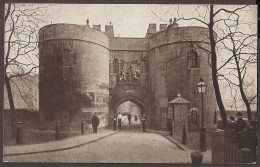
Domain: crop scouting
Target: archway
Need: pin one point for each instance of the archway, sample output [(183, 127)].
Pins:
[(133, 106), (131, 113), (140, 103)]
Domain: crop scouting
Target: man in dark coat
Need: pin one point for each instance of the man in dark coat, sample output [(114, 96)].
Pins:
[(95, 123), (129, 117), (240, 125), (240, 129)]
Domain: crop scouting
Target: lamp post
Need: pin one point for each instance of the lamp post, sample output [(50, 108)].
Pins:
[(201, 86)]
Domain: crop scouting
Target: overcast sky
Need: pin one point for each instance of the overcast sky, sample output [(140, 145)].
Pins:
[(128, 20)]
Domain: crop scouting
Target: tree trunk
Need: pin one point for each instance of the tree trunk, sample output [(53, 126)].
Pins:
[(242, 92), (11, 103), (214, 71), (248, 107)]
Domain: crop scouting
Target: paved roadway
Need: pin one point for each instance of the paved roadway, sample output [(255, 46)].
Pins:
[(124, 147)]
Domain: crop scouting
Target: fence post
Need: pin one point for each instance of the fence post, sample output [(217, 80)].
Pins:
[(114, 124), (246, 155), (83, 126), (57, 136), (217, 146), (196, 157), (19, 132), (172, 128), (144, 125), (184, 134)]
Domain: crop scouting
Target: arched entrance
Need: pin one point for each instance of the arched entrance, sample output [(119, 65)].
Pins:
[(131, 115), (140, 103), (129, 103), (128, 85)]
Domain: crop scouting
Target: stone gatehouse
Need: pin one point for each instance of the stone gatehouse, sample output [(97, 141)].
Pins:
[(83, 67)]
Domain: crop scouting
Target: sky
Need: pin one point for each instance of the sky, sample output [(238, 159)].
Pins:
[(128, 20), (132, 20)]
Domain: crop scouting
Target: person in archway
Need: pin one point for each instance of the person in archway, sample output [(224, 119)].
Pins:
[(95, 122), (119, 120), (129, 117), (144, 122), (114, 122)]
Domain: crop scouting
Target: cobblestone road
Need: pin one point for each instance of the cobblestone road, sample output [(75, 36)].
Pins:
[(123, 147)]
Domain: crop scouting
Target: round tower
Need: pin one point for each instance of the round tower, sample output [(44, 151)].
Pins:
[(74, 69), (177, 62)]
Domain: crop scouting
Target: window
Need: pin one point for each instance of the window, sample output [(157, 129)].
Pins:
[(170, 113), (67, 60), (116, 66), (193, 60), (143, 67), (194, 116), (121, 65)]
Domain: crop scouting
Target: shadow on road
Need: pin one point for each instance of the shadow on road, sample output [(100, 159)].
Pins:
[(132, 127)]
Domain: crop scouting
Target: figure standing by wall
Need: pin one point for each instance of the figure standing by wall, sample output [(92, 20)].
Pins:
[(129, 117), (119, 118), (95, 122)]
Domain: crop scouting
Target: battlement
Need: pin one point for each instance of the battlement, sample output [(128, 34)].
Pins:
[(109, 30), (97, 27)]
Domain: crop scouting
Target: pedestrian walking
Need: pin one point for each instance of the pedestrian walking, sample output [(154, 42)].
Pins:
[(114, 122), (95, 122), (144, 124), (129, 117), (135, 117), (119, 120)]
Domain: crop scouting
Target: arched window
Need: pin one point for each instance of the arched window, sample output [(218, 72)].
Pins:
[(193, 60), (143, 67), (66, 58), (121, 65), (194, 116), (170, 113), (116, 66)]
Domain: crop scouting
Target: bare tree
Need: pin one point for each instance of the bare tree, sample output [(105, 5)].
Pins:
[(242, 51), (215, 20), (22, 22)]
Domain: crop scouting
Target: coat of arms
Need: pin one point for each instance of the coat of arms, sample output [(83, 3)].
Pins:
[(128, 76)]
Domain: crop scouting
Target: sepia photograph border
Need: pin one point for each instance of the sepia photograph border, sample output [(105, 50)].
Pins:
[(227, 2)]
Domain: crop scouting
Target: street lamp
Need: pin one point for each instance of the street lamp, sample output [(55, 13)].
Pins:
[(201, 86)]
